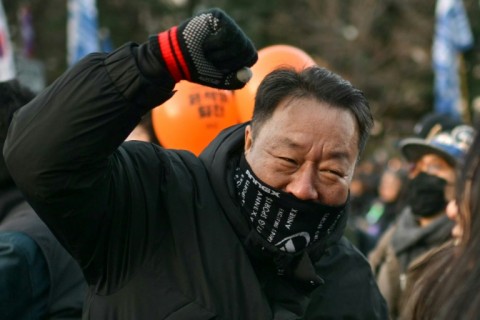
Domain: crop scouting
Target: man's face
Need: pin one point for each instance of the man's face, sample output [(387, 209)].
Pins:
[(437, 166), (307, 148)]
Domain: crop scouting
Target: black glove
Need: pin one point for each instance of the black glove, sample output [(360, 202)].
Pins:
[(208, 49)]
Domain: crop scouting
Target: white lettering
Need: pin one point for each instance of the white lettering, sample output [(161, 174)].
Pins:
[(266, 208), (278, 218), (291, 217), (261, 225), (322, 222), (272, 235), (321, 225), (244, 191), (256, 204), (261, 186)]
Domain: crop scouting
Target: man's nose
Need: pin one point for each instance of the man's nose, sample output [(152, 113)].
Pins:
[(302, 184)]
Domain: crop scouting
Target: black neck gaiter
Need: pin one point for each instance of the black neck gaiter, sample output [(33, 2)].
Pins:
[(280, 218)]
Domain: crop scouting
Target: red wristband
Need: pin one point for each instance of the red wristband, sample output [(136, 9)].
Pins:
[(172, 55)]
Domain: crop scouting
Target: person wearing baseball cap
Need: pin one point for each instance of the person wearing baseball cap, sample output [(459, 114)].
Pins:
[(450, 145), (422, 225)]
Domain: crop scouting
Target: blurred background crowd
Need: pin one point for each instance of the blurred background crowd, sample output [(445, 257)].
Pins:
[(395, 51)]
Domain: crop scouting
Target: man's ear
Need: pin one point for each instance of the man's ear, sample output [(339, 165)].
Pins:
[(248, 138)]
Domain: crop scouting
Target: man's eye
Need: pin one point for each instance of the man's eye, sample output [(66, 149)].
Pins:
[(335, 172), (290, 161)]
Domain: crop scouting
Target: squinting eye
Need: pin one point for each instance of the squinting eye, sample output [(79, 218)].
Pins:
[(291, 161), (337, 173)]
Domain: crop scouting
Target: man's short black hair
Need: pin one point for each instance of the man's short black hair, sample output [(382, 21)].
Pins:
[(313, 82)]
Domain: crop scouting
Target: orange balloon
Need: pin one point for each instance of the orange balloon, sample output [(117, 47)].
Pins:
[(193, 116), (269, 59)]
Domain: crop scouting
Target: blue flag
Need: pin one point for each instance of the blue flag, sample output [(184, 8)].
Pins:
[(82, 29), (452, 36)]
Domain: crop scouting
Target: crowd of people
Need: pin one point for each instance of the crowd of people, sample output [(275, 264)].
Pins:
[(275, 219)]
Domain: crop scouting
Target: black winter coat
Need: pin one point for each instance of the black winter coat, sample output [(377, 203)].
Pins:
[(157, 232)]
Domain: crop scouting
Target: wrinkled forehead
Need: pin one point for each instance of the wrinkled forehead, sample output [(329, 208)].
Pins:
[(287, 104)]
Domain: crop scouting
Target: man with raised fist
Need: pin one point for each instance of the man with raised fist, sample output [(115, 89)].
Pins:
[(251, 229)]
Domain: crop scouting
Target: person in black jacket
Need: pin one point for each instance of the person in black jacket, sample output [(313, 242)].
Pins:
[(38, 278), (250, 229)]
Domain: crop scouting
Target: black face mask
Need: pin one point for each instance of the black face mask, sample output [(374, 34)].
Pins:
[(283, 220), (426, 195)]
